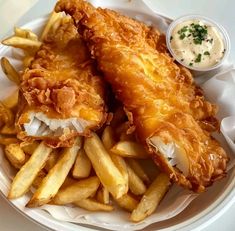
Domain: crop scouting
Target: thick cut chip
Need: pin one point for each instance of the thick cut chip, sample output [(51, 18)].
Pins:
[(24, 33), (23, 43), (105, 169), (56, 176), (130, 149), (136, 184), (138, 169), (127, 202), (10, 71), (15, 155), (82, 166), (103, 195), (151, 198), (78, 191), (27, 174), (92, 205)]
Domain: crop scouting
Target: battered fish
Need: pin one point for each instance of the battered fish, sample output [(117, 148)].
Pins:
[(62, 93), (165, 107)]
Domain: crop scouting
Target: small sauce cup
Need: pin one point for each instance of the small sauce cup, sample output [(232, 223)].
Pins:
[(206, 21)]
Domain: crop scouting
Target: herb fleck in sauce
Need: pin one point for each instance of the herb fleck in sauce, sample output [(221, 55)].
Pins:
[(197, 44)]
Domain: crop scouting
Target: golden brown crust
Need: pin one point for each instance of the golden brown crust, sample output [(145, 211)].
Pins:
[(160, 96), (62, 82)]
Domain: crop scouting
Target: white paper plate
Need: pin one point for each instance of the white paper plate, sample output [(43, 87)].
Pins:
[(199, 213)]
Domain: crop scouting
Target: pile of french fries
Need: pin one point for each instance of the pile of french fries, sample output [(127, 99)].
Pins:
[(96, 173)]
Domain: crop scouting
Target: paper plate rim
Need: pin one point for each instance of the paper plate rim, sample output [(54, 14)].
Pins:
[(201, 220)]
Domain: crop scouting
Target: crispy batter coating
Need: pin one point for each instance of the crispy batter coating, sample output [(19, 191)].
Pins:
[(62, 82), (160, 97)]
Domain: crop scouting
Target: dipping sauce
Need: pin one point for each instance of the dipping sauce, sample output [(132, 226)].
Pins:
[(197, 44)]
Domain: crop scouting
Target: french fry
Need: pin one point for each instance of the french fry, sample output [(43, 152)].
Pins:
[(103, 195), (151, 198), (136, 185), (134, 164), (52, 19), (56, 176), (92, 205), (6, 115), (25, 33), (8, 130), (127, 202), (108, 173), (39, 178), (56, 24), (52, 160), (129, 149), (82, 166), (10, 71), (108, 138), (68, 181), (150, 168), (77, 191), (29, 147), (120, 163), (12, 100), (25, 177), (8, 140), (15, 155), (23, 43), (27, 60)]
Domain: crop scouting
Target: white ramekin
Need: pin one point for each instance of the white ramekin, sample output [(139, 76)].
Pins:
[(209, 22)]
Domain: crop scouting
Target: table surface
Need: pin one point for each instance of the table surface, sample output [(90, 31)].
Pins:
[(221, 11)]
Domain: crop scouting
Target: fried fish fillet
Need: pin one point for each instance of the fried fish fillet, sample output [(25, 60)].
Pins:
[(62, 93), (167, 110)]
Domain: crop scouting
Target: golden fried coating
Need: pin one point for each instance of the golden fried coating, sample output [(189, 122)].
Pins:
[(62, 92), (166, 108)]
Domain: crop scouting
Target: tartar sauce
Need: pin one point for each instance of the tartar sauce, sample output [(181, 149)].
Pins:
[(197, 44)]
